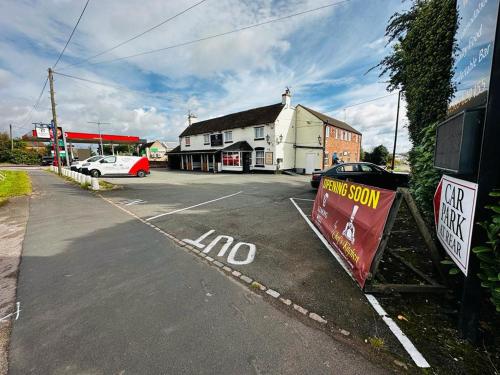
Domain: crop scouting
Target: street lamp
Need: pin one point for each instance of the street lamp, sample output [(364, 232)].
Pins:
[(100, 135)]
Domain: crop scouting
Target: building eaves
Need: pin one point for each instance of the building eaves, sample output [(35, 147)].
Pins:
[(251, 117), (330, 120)]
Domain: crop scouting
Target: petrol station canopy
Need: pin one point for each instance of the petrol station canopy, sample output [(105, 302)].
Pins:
[(76, 137)]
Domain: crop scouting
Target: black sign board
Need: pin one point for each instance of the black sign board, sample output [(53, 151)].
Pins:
[(215, 140)]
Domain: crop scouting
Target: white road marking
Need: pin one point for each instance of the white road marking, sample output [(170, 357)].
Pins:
[(303, 199), (196, 205), (137, 201), (250, 256), (417, 357), (197, 242), (16, 313)]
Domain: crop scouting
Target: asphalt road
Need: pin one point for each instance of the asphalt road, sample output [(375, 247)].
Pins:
[(289, 257), (102, 293)]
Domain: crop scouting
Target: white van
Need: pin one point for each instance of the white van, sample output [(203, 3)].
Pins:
[(77, 165), (117, 165)]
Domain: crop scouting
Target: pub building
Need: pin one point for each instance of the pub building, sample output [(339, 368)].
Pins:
[(272, 138)]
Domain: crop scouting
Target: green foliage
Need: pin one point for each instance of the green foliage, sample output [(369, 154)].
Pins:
[(19, 155), (421, 63), (379, 155), (489, 253), (424, 177)]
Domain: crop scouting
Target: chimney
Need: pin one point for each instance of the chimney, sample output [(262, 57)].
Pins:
[(286, 98), (191, 118)]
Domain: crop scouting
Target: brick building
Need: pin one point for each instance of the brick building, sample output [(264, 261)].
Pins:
[(342, 141)]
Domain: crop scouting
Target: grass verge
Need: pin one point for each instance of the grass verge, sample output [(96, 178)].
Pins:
[(13, 183)]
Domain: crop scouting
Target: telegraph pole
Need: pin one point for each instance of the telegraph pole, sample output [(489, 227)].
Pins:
[(54, 121), (396, 132), (11, 139), (99, 128)]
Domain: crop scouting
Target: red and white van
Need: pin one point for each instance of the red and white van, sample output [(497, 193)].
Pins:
[(117, 165)]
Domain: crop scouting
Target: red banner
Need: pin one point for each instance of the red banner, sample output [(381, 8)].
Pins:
[(352, 218)]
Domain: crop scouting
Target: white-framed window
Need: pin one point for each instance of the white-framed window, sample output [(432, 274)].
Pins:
[(206, 139), (228, 136), (349, 135), (327, 132), (187, 141), (259, 133), (231, 159), (336, 133), (259, 157)]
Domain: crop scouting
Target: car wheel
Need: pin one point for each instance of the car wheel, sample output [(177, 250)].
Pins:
[(141, 173), (95, 173)]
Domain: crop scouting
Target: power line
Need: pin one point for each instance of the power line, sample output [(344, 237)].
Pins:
[(35, 106), (371, 100), (109, 85), (222, 34), (71, 35), (136, 36)]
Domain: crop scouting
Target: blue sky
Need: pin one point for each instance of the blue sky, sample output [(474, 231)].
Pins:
[(323, 56)]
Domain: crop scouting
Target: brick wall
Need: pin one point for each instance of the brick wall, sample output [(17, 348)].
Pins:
[(346, 145)]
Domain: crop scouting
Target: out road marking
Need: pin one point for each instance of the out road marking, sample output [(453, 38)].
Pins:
[(417, 357), (137, 201), (196, 205)]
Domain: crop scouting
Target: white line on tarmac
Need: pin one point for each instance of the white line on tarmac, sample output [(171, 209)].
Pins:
[(196, 205), (417, 357), (303, 199)]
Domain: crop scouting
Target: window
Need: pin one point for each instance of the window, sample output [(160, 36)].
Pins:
[(187, 140), (206, 139), (228, 137), (259, 133), (216, 140), (327, 132), (349, 135), (336, 133), (347, 168), (109, 160), (366, 168), (231, 159), (259, 157)]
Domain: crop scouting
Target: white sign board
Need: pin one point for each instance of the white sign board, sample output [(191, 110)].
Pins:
[(455, 203), (42, 132)]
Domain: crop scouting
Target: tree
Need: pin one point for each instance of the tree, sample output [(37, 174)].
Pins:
[(421, 62), (378, 156)]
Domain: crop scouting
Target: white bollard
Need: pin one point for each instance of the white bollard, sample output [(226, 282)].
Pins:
[(95, 183), (88, 180), (81, 178)]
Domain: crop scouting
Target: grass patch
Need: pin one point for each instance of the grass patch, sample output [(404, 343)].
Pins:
[(105, 185), (376, 342), (13, 184)]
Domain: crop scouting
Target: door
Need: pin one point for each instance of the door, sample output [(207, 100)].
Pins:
[(246, 161), (310, 161), (108, 165)]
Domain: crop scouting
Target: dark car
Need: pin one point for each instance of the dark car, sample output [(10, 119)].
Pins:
[(363, 173), (47, 160)]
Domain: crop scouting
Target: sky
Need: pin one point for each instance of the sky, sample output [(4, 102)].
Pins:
[(323, 56)]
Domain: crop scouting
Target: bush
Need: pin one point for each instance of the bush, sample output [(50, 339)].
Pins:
[(424, 177), (489, 255), (19, 156)]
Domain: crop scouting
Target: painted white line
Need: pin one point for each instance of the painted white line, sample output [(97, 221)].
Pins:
[(138, 201), (16, 313), (323, 239), (402, 338), (303, 199), (196, 205)]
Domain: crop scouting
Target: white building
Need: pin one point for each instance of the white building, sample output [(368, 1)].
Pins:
[(267, 138)]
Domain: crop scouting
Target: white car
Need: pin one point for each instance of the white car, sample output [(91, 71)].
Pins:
[(77, 165), (117, 165)]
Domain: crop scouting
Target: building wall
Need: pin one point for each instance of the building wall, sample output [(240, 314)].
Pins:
[(338, 142), (240, 134), (285, 138), (308, 129)]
